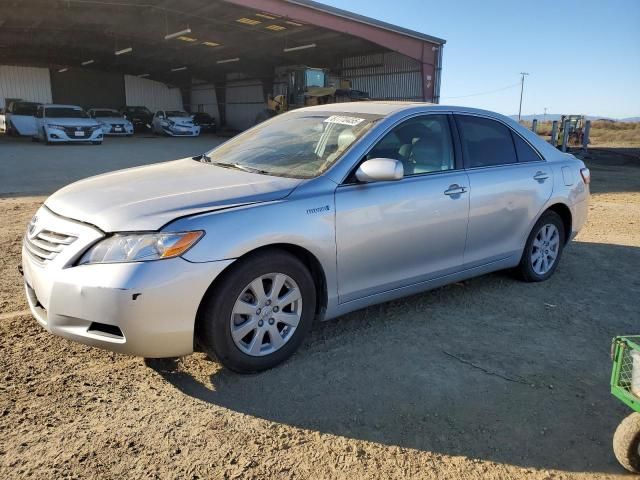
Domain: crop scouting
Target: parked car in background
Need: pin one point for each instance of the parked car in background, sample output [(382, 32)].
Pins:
[(175, 123), (140, 117), (313, 214), (20, 118), (112, 121), (205, 121), (66, 124)]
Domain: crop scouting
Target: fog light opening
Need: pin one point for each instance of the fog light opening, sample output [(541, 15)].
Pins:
[(106, 330)]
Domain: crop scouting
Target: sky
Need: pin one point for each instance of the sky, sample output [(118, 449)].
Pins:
[(583, 57)]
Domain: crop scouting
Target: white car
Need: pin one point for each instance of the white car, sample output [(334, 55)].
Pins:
[(174, 123), (19, 118), (112, 121), (66, 123)]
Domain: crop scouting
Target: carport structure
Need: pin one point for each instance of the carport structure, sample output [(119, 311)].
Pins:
[(224, 55)]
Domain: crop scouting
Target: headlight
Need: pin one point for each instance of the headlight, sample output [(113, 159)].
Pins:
[(57, 127), (140, 247)]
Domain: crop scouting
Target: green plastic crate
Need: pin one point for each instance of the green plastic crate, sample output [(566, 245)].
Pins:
[(622, 349)]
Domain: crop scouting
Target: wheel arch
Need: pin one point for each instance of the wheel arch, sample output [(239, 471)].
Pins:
[(305, 256), (565, 214)]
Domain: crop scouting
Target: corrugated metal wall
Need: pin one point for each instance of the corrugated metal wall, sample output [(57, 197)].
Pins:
[(204, 99), (385, 76), (244, 100), (27, 83), (151, 94)]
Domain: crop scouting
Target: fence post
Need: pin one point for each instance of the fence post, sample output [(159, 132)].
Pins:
[(534, 125), (565, 135), (554, 133), (585, 136)]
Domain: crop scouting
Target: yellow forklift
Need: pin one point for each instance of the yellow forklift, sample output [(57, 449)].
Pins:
[(306, 86), (575, 126)]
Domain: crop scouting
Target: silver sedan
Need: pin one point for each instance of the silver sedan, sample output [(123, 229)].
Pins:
[(310, 215)]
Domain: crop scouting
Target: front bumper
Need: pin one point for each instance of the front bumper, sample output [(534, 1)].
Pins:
[(112, 131), (182, 132), (146, 309), (55, 135)]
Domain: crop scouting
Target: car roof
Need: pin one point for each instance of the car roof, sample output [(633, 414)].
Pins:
[(103, 109), (389, 107)]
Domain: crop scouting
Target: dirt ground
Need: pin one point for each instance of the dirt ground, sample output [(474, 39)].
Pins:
[(490, 378)]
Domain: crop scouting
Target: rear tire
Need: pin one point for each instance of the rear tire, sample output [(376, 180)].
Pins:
[(543, 249), (218, 314), (626, 443)]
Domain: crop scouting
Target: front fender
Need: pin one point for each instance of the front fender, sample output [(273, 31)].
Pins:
[(305, 219)]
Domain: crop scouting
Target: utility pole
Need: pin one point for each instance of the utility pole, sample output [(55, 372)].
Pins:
[(544, 118), (521, 91)]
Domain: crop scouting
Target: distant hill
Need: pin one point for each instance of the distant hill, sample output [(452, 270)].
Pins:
[(550, 117)]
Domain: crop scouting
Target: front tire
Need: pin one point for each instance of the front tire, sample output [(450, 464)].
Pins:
[(543, 249), (257, 315), (626, 443)]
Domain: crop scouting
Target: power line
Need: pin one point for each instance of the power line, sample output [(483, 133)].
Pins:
[(487, 92)]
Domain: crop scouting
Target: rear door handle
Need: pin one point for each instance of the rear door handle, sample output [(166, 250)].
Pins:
[(455, 189), (540, 176)]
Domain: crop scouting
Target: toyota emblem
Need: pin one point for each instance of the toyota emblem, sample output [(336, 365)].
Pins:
[(31, 229)]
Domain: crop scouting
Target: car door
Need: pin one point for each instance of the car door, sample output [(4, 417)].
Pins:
[(40, 122), (398, 233), (509, 183), (157, 118)]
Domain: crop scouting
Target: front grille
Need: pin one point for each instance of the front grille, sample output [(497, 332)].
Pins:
[(71, 131), (47, 244)]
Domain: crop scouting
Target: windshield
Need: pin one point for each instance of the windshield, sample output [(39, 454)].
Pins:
[(65, 112), (176, 113), (299, 145), (138, 110), (105, 113), (315, 78)]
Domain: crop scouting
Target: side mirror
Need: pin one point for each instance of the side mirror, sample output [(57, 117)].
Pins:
[(380, 170)]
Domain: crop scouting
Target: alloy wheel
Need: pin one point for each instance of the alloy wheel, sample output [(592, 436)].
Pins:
[(266, 314), (545, 249)]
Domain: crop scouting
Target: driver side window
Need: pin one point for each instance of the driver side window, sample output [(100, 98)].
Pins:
[(422, 144)]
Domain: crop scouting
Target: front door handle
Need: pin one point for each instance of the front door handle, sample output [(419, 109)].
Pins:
[(540, 176), (455, 189)]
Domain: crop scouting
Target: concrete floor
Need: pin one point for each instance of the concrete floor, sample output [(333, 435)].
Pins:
[(28, 168)]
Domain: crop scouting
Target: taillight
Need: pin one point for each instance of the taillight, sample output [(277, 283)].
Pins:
[(586, 175)]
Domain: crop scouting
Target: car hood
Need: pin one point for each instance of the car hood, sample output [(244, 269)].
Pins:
[(71, 122), (111, 120), (146, 198), (182, 120)]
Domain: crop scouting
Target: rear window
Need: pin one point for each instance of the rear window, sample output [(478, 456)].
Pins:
[(524, 150), (485, 142), (25, 109)]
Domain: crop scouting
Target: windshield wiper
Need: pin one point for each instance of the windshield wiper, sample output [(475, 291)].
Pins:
[(207, 159)]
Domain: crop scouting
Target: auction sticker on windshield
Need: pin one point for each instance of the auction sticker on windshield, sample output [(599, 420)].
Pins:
[(342, 120)]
